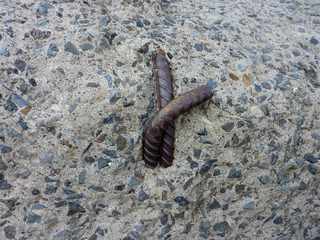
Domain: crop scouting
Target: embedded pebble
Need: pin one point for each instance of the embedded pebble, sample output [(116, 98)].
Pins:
[(52, 50), (10, 231), (204, 228), (71, 48), (228, 126), (311, 158), (314, 40), (43, 8), (74, 208), (142, 195), (4, 185), (4, 52), (38, 34), (86, 46), (278, 220), (221, 227), (248, 204), (207, 166), (234, 173), (264, 179), (313, 169), (20, 64), (214, 204), (3, 165), (32, 218), (199, 47), (181, 201), (103, 162), (5, 148)]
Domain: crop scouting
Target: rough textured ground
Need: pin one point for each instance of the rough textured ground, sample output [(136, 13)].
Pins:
[(76, 88)]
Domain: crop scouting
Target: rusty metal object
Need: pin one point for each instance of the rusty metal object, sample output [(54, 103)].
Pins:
[(164, 94), (154, 130)]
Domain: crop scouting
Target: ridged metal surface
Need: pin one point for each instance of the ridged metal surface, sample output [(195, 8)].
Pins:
[(164, 92), (154, 130)]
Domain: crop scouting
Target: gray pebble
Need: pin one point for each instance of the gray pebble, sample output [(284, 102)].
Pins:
[(133, 182), (4, 185), (234, 173), (240, 188), (71, 48), (50, 189), (46, 158), (115, 98), (93, 85), (10, 231), (5, 148), (18, 101), (86, 46), (164, 230), (142, 195), (103, 162), (248, 204), (313, 169), (228, 126), (199, 47), (281, 82), (32, 218), (89, 159), (139, 23), (314, 40), (302, 186), (181, 201), (121, 143), (93, 237), (204, 227), (267, 49), (4, 52), (296, 52), (207, 166), (42, 8), (82, 177), (311, 158), (52, 50), (23, 173), (278, 220), (103, 22), (266, 58), (38, 34), (197, 153), (103, 43), (214, 204), (193, 164), (3, 166), (135, 233), (266, 85), (75, 207), (108, 77), (264, 179), (23, 124), (222, 227), (63, 235), (216, 172), (97, 188), (110, 153), (20, 64)]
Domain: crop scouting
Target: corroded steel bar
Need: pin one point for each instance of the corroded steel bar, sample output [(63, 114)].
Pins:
[(154, 130), (164, 94)]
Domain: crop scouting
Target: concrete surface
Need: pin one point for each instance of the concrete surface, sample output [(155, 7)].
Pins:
[(76, 88)]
